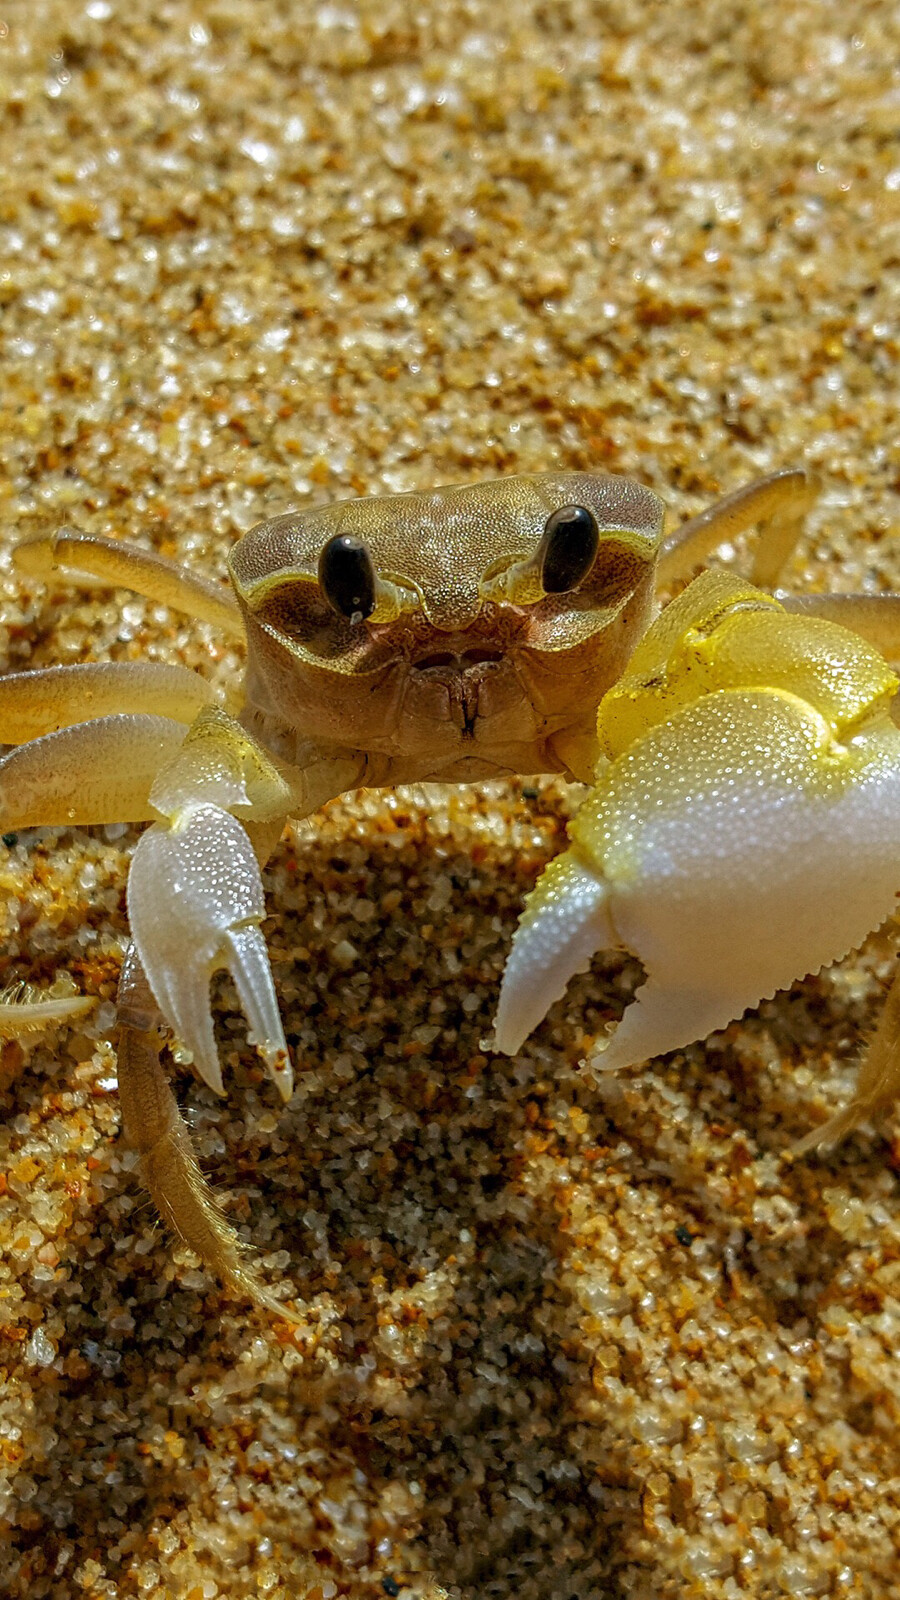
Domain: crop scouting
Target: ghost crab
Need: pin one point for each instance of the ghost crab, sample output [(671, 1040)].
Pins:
[(740, 751)]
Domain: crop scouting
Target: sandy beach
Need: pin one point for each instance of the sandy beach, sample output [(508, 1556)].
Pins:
[(561, 1342)]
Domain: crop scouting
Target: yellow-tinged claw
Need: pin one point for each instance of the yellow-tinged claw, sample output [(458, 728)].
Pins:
[(721, 633), (744, 831), (218, 762)]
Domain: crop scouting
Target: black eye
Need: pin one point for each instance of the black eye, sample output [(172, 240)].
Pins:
[(569, 548), (347, 576)]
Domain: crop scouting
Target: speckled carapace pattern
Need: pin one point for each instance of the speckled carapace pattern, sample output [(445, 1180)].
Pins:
[(561, 1344)]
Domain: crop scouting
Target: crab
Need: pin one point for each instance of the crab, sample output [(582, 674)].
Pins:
[(740, 829)]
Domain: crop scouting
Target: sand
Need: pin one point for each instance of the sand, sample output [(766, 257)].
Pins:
[(560, 1344)]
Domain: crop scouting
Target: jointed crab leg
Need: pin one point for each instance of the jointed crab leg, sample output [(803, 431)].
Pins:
[(878, 1084), (195, 903), (779, 502), (89, 560), (98, 771), (25, 1010), (35, 703), (155, 1128)]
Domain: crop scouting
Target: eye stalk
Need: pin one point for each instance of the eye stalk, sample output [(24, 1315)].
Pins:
[(348, 580), (568, 549), (347, 577), (564, 557)]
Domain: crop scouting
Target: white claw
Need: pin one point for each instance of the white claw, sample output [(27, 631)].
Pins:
[(249, 967), (742, 830), (195, 901), (732, 849), (555, 939)]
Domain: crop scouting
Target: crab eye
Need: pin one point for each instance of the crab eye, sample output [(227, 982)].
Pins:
[(347, 576), (568, 548)]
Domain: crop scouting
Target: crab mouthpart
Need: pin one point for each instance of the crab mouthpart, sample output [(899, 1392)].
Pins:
[(460, 661)]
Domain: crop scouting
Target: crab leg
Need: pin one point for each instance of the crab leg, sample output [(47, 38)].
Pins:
[(155, 1128), (99, 771), (24, 1010), (91, 561), (878, 1084), (779, 502), (743, 829), (35, 703), (195, 903)]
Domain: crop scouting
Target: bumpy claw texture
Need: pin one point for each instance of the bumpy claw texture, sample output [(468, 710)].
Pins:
[(744, 829), (195, 896), (195, 902)]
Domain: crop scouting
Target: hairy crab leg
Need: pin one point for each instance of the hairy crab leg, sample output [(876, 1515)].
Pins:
[(25, 1010), (90, 560), (99, 771), (779, 502), (743, 829), (155, 1128), (36, 703), (878, 1084)]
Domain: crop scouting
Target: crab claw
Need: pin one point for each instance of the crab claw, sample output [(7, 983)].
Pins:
[(195, 902), (565, 921), (745, 838), (734, 850)]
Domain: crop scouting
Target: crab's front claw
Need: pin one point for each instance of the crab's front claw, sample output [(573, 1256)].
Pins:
[(744, 829), (195, 902), (195, 896)]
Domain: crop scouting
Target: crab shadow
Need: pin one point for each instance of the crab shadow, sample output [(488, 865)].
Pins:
[(416, 1193)]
